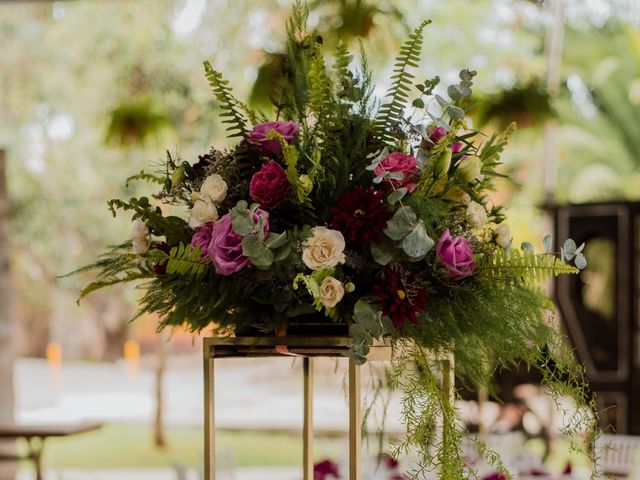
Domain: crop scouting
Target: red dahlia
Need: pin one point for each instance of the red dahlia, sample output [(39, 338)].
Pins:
[(400, 296), (360, 215)]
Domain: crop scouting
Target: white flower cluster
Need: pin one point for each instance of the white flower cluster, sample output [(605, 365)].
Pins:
[(205, 202)]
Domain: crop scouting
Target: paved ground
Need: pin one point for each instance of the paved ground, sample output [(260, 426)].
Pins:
[(117, 392), (262, 473)]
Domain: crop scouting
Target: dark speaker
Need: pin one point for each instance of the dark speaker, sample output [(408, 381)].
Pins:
[(600, 308)]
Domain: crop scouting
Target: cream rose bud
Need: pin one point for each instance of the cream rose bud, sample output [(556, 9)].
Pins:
[(331, 292), (503, 235), (324, 248), (470, 169), (203, 211), (140, 245), (476, 215), (215, 188)]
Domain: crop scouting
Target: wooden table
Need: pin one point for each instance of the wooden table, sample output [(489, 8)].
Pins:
[(35, 435)]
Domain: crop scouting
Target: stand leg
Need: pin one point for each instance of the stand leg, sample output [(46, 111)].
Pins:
[(35, 453), (448, 390), (307, 429), (209, 416), (355, 419)]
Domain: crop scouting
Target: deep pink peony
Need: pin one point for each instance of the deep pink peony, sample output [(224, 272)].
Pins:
[(457, 256), (202, 238), (269, 186), (325, 470), (402, 163), (225, 248), (258, 136)]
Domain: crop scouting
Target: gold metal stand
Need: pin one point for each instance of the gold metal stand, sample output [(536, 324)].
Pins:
[(308, 348)]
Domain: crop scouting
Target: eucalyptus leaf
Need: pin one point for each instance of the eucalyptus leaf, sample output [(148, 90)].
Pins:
[(397, 195), (264, 261), (253, 247), (401, 224), (418, 243), (456, 113), (282, 253), (466, 75), (581, 261), (242, 225), (382, 253), (465, 91), (569, 248), (527, 246), (276, 240), (454, 92), (442, 102), (378, 158), (547, 242)]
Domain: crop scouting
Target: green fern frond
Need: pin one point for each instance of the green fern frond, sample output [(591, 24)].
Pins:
[(146, 177), (230, 106), (521, 267), (93, 286), (321, 98), (398, 94), (185, 260)]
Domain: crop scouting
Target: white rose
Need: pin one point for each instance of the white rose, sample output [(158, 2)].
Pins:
[(215, 188), (203, 211), (324, 248), (331, 292), (476, 215), (503, 235), (139, 237), (140, 245), (139, 230)]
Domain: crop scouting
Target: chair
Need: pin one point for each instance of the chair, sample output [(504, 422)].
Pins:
[(619, 455)]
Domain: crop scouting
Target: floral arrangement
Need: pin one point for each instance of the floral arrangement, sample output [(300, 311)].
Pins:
[(373, 215)]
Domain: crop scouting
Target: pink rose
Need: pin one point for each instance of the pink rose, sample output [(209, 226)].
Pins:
[(225, 248), (398, 162), (457, 256), (269, 187), (258, 136), (202, 238)]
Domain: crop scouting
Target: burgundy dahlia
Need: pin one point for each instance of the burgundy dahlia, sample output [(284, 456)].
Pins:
[(269, 186), (360, 215), (400, 296), (161, 268)]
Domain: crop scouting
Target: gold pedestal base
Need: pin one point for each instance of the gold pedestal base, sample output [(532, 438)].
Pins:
[(308, 348)]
